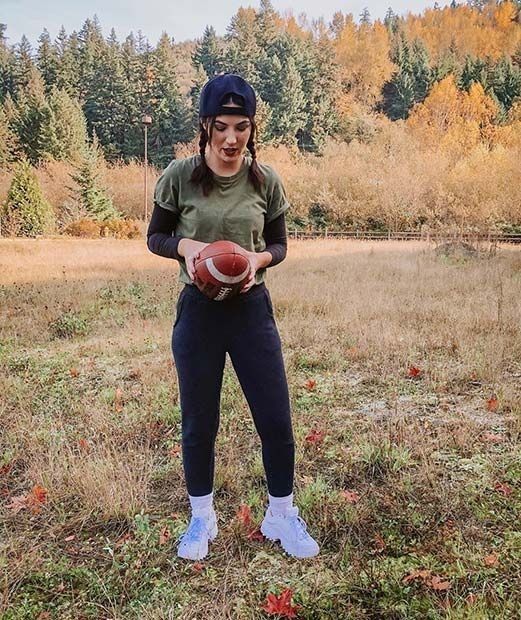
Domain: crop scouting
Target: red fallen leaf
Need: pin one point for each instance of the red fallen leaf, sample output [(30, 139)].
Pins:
[(256, 534), (492, 403), (492, 438), (244, 516), (503, 488), (315, 436), (118, 400), (164, 535), (491, 560), (413, 372), (471, 598), (438, 584), (350, 496), (39, 495), (197, 567), (421, 574), (74, 372), (310, 384), (44, 615), (69, 538), (281, 605), (83, 445)]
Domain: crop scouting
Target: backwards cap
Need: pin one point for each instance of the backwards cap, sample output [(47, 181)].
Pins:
[(218, 90)]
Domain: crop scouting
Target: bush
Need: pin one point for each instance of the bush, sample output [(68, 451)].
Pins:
[(26, 213), (91, 229)]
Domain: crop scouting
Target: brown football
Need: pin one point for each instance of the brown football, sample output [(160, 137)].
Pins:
[(221, 270)]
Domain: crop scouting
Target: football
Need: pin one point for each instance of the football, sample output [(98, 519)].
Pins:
[(221, 270)]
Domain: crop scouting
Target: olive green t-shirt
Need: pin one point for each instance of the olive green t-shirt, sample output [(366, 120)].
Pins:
[(233, 211)]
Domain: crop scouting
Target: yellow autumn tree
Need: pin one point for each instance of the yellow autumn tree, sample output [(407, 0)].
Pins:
[(454, 119), (362, 53), (491, 32)]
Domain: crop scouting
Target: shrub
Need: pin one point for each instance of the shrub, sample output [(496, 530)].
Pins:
[(26, 213), (91, 229)]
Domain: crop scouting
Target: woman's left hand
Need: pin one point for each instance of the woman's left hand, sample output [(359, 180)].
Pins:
[(253, 258)]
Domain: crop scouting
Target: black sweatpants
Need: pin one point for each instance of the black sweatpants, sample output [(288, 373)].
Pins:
[(244, 327)]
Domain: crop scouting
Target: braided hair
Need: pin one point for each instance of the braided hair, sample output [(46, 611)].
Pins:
[(203, 175)]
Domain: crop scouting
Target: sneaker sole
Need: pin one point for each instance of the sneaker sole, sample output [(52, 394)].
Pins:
[(211, 536), (272, 533)]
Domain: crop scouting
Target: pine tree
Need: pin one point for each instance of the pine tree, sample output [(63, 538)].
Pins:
[(208, 53), (23, 65), (32, 114), (67, 51), (89, 193), (243, 51), (411, 83), (7, 62), (9, 146), (64, 135), (47, 60), (365, 17), (26, 213)]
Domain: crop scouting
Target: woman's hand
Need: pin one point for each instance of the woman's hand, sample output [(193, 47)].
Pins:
[(257, 261), (190, 250)]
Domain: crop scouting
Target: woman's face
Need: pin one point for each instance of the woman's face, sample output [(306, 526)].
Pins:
[(230, 136)]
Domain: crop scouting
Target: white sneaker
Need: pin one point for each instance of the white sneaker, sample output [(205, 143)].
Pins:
[(193, 544), (290, 529)]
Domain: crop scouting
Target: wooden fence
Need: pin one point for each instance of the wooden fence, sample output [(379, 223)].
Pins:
[(408, 235)]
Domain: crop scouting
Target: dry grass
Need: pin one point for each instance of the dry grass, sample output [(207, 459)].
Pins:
[(89, 410)]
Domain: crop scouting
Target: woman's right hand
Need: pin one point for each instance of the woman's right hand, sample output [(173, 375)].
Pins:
[(189, 248)]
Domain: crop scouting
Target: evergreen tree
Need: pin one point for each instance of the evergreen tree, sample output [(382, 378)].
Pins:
[(67, 51), (505, 82), (267, 25), (365, 17), (89, 193), (243, 51), (32, 114), (208, 53), (47, 60), (9, 147), (23, 65), (319, 82), (172, 122), (64, 135), (26, 213), (391, 21), (411, 83), (6, 66)]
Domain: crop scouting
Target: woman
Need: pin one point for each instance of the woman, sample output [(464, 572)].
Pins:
[(224, 194)]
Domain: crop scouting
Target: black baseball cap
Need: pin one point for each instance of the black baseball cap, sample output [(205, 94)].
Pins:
[(218, 90)]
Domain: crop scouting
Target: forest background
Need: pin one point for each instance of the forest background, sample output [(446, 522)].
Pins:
[(405, 123)]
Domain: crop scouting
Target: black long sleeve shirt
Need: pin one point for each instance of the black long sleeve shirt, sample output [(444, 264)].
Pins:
[(160, 239)]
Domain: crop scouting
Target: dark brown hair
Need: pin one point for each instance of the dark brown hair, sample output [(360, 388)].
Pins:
[(203, 175)]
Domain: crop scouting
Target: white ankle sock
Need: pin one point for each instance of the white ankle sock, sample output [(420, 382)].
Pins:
[(279, 505), (202, 505)]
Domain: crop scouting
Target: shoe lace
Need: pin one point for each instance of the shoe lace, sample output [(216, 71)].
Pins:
[(300, 525), (194, 531)]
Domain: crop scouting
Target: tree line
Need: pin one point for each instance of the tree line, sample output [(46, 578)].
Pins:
[(82, 84)]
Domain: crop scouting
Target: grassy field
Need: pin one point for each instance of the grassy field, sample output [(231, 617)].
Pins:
[(404, 371)]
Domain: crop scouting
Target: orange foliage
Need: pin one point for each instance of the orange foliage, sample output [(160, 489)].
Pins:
[(455, 119), (466, 30), (362, 53)]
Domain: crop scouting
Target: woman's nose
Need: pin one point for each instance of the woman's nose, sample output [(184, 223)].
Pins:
[(231, 138)]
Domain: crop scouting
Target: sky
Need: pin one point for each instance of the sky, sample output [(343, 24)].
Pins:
[(180, 19)]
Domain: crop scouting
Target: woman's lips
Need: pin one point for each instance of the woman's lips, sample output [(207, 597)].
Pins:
[(230, 151)]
